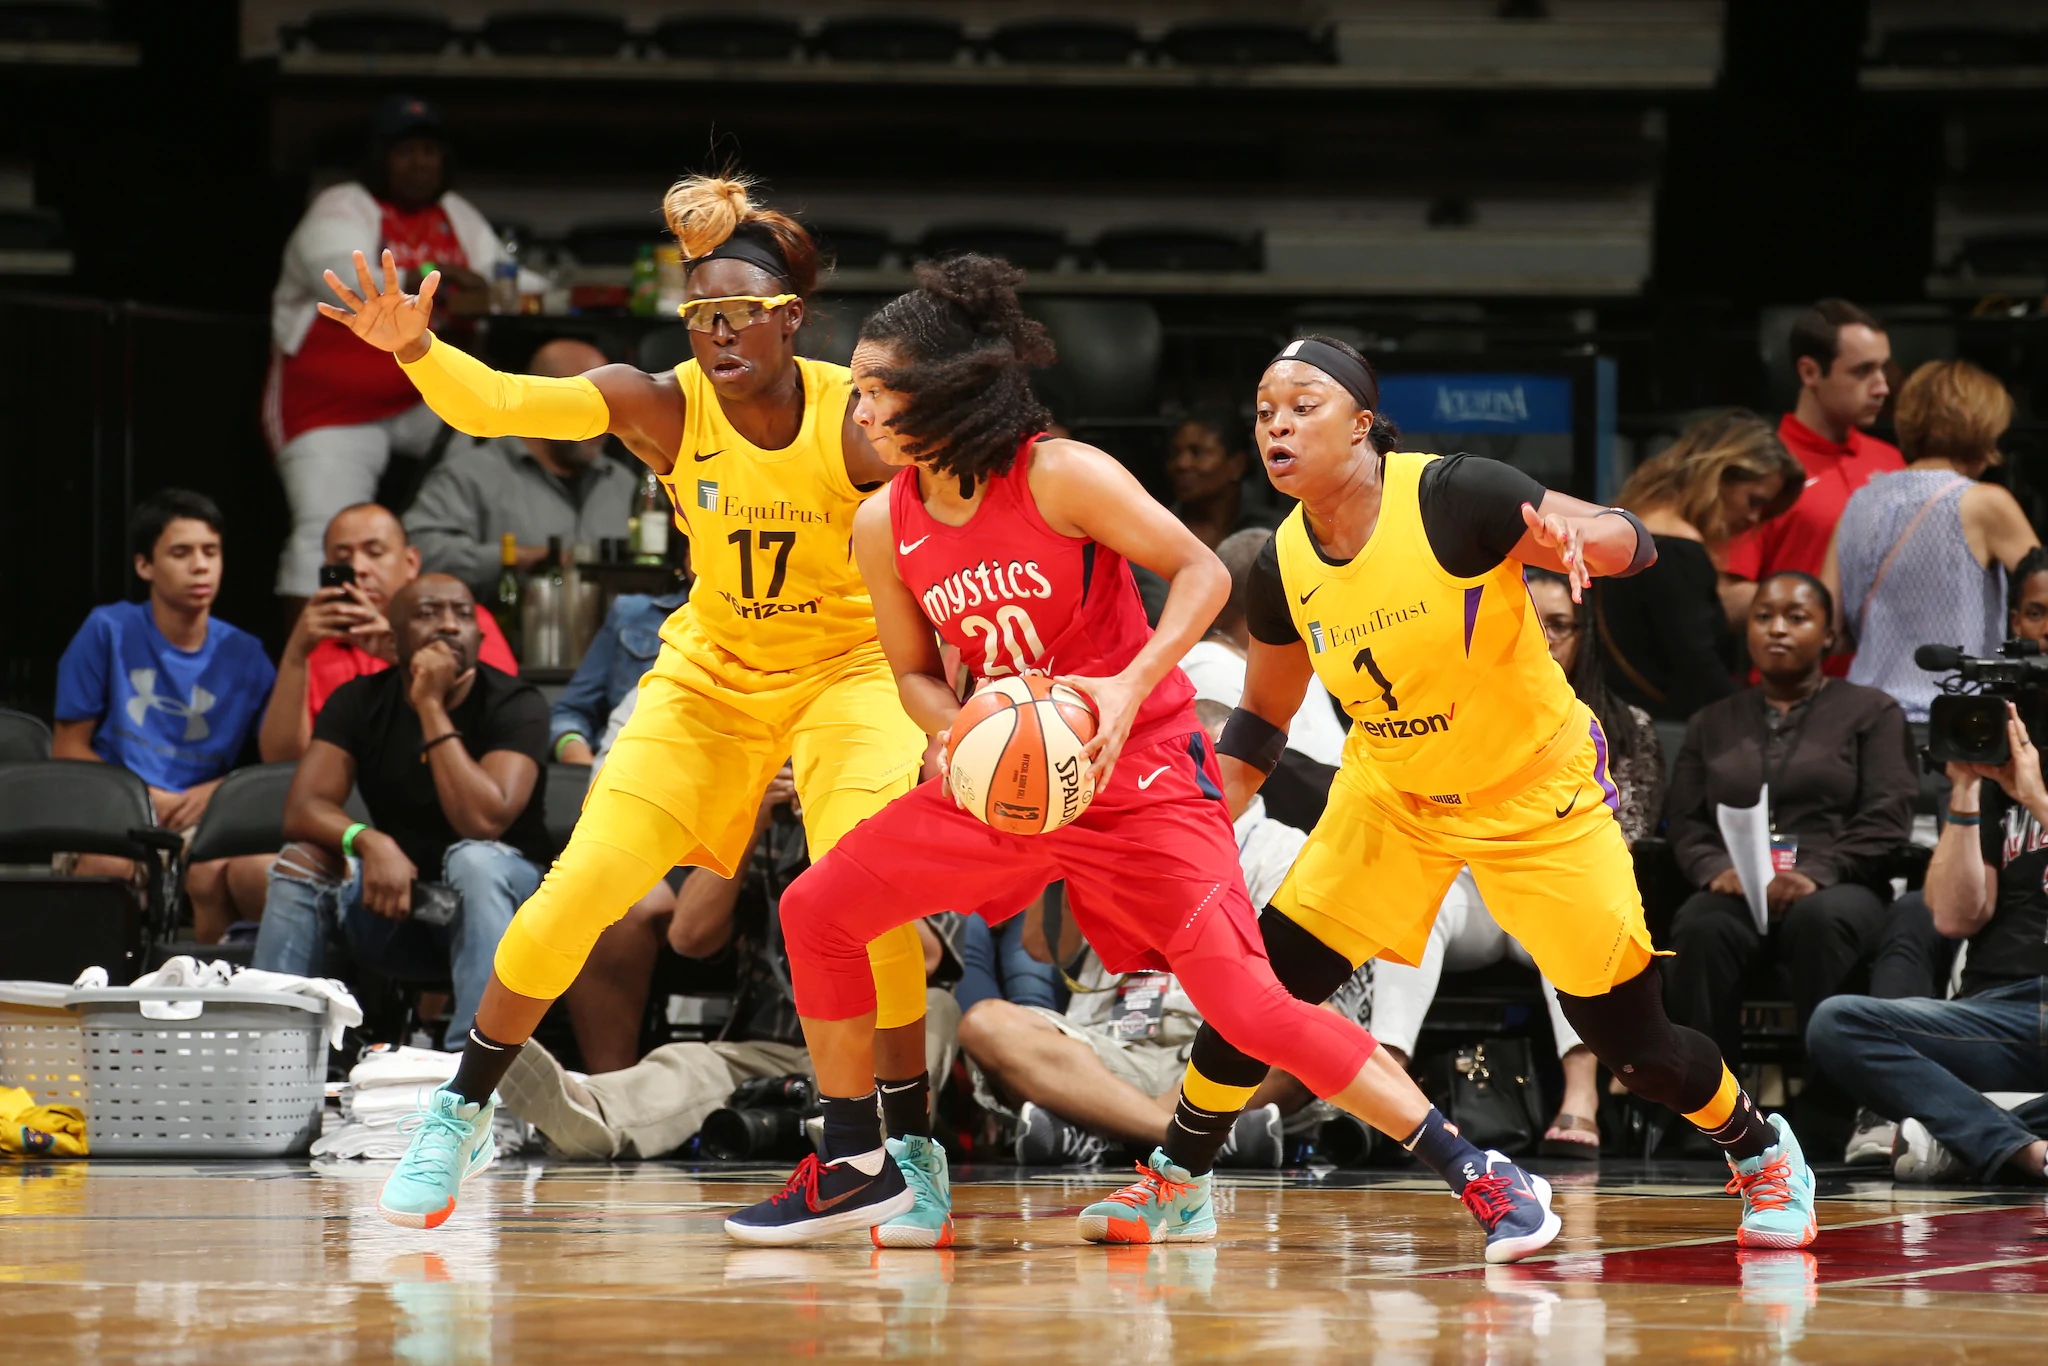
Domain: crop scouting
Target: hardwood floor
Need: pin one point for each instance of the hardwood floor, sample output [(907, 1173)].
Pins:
[(282, 1262)]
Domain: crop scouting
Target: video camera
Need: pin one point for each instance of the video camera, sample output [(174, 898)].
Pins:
[(1966, 724), (763, 1118)]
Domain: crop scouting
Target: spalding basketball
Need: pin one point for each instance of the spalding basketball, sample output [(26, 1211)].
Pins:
[(1015, 754)]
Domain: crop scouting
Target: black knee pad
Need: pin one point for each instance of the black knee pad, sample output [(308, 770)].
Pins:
[(1310, 969), (1222, 1061)]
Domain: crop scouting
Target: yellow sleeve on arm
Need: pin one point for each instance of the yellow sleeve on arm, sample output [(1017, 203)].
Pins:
[(473, 398)]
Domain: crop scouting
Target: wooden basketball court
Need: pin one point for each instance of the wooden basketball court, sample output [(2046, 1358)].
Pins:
[(282, 1262)]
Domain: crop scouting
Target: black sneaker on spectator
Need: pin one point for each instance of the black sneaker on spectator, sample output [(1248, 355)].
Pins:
[(1046, 1140), (1255, 1141), (1871, 1143), (1920, 1157)]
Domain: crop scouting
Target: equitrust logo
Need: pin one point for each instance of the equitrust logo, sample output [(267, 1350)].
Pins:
[(1334, 637), (707, 494)]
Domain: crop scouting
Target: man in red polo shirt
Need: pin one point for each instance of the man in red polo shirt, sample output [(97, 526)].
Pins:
[(343, 633), (1840, 353)]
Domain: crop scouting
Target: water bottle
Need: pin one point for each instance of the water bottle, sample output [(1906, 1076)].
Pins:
[(505, 278)]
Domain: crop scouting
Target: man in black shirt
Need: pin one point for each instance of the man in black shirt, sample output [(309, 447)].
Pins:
[(1928, 1063), (448, 755)]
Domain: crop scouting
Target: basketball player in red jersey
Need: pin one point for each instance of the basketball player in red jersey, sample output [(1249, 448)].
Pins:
[(1015, 548)]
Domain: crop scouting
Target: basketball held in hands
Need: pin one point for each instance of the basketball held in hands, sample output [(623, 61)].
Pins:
[(1016, 754)]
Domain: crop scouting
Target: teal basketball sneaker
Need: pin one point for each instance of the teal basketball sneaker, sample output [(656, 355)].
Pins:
[(451, 1142), (1777, 1193), (929, 1222), (1166, 1204)]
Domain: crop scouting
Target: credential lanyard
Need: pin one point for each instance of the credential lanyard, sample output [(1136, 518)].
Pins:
[(1795, 734)]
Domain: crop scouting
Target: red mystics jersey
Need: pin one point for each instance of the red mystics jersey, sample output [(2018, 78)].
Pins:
[(1016, 597)]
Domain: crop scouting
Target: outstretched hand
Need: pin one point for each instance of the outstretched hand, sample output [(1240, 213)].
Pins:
[(1567, 539), (388, 318)]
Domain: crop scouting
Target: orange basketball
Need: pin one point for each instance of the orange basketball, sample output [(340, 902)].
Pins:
[(1016, 754)]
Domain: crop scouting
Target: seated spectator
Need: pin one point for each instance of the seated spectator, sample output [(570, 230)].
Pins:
[(1841, 357), (1919, 556), (170, 694), (1838, 764), (1929, 1063), (448, 753), (997, 965), (1108, 1068), (523, 486), (334, 408), (650, 1107), (343, 633), (622, 650), (1665, 630), (1465, 936), (1217, 491)]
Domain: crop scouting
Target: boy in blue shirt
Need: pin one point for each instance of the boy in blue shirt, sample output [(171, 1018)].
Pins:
[(167, 692)]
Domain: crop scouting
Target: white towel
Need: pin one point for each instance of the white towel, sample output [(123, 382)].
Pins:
[(384, 1065), (387, 1142), (342, 1012)]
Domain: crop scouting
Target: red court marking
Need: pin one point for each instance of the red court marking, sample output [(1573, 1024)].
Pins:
[(1919, 1246)]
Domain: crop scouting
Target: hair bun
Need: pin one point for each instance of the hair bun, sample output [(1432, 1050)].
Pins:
[(703, 210), (984, 291)]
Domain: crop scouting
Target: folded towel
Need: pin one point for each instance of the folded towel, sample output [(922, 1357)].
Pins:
[(185, 971), (387, 1142), (384, 1065)]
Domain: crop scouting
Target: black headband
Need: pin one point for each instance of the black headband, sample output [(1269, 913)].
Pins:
[(1347, 370), (751, 243)]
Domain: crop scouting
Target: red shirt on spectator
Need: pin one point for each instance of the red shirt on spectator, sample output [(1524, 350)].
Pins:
[(334, 662), (1798, 539)]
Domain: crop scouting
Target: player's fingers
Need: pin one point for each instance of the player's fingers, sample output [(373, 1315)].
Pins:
[(364, 281), (330, 311), (1532, 518), (343, 292), (390, 272), (427, 288)]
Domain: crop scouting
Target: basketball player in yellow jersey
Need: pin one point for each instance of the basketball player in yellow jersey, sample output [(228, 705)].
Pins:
[(773, 658), (1398, 582)]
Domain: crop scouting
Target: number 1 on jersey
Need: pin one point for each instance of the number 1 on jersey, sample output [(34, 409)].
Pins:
[(783, 541), (1366, 662)]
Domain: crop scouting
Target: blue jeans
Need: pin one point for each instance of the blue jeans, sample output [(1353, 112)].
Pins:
[(301, 911), (996, 966), (1932, 1060)]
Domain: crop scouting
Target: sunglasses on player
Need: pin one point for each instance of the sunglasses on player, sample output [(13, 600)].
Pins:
[(740, 311)]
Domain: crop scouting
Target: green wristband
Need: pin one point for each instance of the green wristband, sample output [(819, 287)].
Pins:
[(348, 838)]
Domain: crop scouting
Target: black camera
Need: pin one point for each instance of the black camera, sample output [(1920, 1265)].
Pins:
[(1966, 724), (762, 1118)]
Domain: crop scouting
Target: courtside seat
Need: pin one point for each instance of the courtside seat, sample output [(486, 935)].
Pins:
[(54, 927), (375, 33), (1068, 41), (728, 38), (23, 738), (1178, 249), (1032, 248), (567, 784), (556, 35), (1243, 44), (889, 39)]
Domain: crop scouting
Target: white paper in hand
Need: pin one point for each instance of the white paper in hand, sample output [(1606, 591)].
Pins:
[(1746, 830)]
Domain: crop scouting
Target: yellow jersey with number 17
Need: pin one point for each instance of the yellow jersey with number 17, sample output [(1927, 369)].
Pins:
[(1449, 683), (771, 532)]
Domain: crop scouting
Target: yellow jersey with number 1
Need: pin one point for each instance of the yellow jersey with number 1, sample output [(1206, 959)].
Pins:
[(1448, 681), (771, 532)]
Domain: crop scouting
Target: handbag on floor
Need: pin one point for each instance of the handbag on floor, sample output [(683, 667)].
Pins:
[(1490, 1091)]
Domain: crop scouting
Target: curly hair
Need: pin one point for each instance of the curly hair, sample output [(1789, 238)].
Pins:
[(704, 210), (964, 351)]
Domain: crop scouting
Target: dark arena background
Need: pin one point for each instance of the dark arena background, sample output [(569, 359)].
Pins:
[(1567, 235)]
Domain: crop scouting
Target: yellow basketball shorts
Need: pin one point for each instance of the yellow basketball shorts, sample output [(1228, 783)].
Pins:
[(683, 784), (1551, 865)]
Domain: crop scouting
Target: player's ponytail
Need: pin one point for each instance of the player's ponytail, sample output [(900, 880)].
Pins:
[(965, 350), (715, 216)]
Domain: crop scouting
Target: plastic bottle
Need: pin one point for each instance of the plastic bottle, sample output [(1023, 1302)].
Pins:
[(645, 297), (510, 592), (505, 278)]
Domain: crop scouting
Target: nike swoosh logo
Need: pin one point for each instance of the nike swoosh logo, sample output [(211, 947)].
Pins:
[(1570, 804), (905, 547), (700, 459), (1146, 781), (820, 1206), (1311, 593)]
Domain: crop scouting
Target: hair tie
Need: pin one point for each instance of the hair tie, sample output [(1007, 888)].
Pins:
[(1346, 370)]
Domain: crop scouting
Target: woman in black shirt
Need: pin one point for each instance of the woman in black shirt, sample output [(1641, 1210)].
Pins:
[(1669, 650)]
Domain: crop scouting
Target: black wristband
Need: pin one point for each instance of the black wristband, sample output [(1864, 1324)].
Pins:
[(1252, 739), (1646, 548)]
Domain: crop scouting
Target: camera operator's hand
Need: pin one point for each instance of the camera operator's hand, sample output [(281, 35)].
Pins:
[(1787, 888), (2019, 776)]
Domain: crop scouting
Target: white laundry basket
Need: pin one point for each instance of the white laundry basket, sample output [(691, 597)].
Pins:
[(41, 1048), (244, 1077)]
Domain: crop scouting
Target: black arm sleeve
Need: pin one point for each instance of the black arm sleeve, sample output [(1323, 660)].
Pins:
[(1472, 511), (1265, 599)]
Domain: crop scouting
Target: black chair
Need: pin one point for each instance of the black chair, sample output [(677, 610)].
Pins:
[(376, 33), (567, 784), (713, 37), (1178, 249), (1959, 47), (56, 927), (1029, 247), (2007, 254), (52, 23), (31, 229), (246, 815), (23, 738), (852, 248), (1073, 41), (611, 244), (886, 39), (1670, 736), (1109, 353), (556, 35), (1241, 44)]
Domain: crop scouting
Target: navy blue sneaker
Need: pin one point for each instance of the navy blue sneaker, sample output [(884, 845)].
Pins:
[(1513, 1206), (824, 1198)]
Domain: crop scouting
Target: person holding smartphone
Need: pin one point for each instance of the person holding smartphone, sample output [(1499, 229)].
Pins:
[(449, 755)]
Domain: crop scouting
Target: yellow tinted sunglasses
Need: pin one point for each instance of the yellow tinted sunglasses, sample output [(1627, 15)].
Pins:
[(740, 311)]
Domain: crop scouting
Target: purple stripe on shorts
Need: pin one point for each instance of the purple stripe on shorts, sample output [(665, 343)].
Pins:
[(1600, 767), (1471, 615)]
